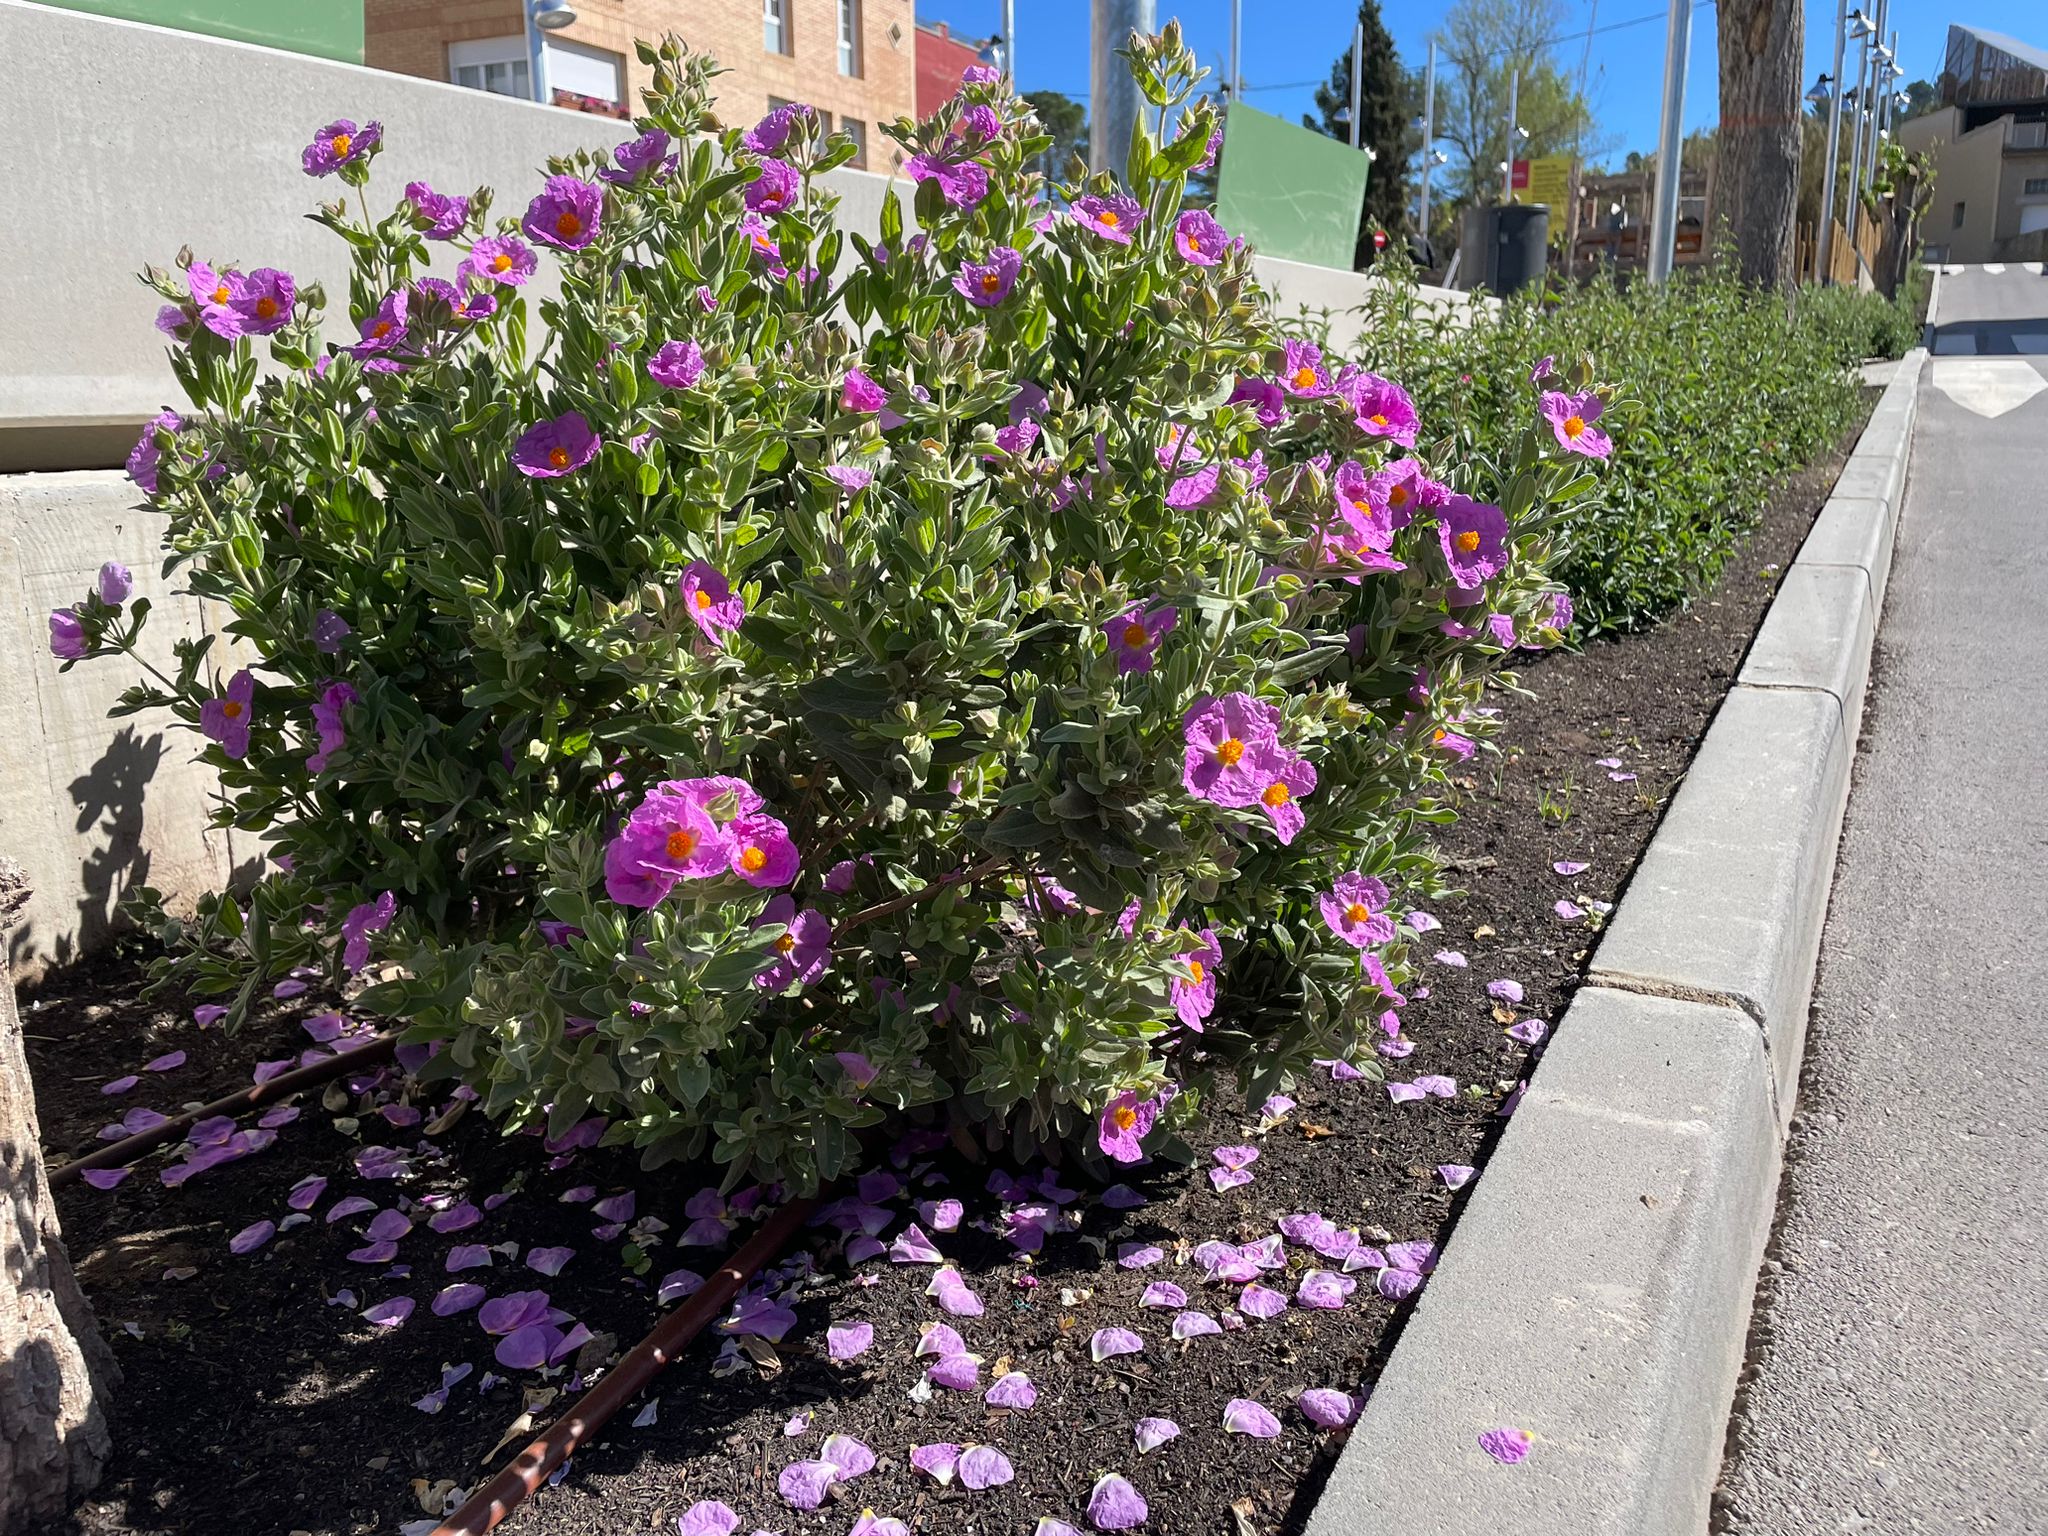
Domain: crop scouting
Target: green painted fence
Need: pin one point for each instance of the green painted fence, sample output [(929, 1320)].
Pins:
[(1292, 193), (327, 29)]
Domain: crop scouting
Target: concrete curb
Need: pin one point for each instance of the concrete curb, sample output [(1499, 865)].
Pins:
[(1596, 1292)]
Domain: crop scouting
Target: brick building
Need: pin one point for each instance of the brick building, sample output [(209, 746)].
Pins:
[(941, 59), (851, 59)]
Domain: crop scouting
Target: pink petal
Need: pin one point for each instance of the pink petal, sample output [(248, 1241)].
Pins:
[(1328, 1408), (983, 1466), (1242, 1416), (349, 1205), (847, 1341), (1261, 1302), (105, 1178), (707, 1517), (1571, 867), (468, 1256), (120, 1084), (936, 1461), (913, 1247), (389, 1314), (1504, 990), (852, 1457), (1452, 958), (941, 1215), (804, 1484), (1194, 1325), (1405, 1093), (1163, 1293), (1138, 1255), (1012, 1389), (956, 1373), (457, 1298), (373, 1253), (252, 1237), (1455, 1175), (938, 1339), (954, 1294), (1114, 1505), (1111, 1342), (548, 1261), (1229, 1178), (1151, 1434), (1506, 1445)]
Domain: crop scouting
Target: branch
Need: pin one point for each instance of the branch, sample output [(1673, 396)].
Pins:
[(889, 908)]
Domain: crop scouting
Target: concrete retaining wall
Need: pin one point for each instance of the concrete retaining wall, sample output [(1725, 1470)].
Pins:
[(1597, 1289)]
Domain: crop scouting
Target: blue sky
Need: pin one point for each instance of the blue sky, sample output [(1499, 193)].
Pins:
[(1290, 44)]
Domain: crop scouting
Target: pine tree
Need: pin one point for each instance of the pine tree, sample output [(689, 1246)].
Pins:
[(1389, 99)]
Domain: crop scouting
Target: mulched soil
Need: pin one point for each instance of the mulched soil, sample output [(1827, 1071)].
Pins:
[(252, 1403)]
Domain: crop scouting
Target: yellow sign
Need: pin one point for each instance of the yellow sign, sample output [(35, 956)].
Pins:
[(1549, 181)]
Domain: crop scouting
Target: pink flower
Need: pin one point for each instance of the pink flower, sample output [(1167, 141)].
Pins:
[(565, 213), (340, 143), (1112, 217), (1265, 397), (1199, 238), (498, 259), (769, 135), (1123, 1125), (1193, 989), (761, 851), (1225, 741), (986, 284), (803, 951), (860, 394), (670, 836), (776, 187), (963, 182), (677, 365), (710, 601), (1286, 777), (362, 921), (68, 643), (1301, 370), (547, 450), (328, 710), (1371, 526), (1382, 409), (1134, 635), (1355, 908), (1571, 418), (1474, 540), (227, 718), (1402, 489), (761, 240)]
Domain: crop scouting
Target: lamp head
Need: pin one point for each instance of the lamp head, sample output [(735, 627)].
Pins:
[(553, 15)]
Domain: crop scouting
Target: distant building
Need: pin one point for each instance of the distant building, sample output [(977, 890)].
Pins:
[(941, 59), (851, 59), (326, 29), (1988, 138), (1613, 218)]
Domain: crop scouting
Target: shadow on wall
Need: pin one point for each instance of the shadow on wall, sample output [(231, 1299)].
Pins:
[(110, 818)]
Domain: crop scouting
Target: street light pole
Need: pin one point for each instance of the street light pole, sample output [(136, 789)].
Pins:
[(1879, 64), (1428, 140), (1824, 257), (1010, 41), (1507, 170), (1856, 104), (1357, 83), (1236, 49), (1664, 212), (1114, 99)]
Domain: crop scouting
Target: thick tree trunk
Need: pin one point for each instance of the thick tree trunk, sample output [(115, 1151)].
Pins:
[(56, 1373), (1762, 44)]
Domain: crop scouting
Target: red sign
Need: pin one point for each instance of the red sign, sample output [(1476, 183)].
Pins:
[(1379, 239), (1518, 178)]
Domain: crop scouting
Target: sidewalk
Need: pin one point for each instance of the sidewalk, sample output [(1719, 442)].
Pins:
[(1900, 1351)]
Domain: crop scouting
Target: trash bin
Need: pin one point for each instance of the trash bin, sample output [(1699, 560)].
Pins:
[(1517, 245)]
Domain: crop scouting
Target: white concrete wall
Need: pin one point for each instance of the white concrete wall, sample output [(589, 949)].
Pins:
[(118, 144)]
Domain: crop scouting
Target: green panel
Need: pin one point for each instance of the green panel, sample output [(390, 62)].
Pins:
[(327, 29), (1292, 193)]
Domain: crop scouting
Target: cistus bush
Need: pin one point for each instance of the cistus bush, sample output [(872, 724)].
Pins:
[(1725, 389), (803, 679)]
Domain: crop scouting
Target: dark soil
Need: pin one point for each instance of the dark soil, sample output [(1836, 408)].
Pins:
[(251, 1403)]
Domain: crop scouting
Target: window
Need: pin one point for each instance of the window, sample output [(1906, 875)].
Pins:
[(496, 64), (849, 37), (583, 71), (1956, 219), (858, 132), (2035, 186), (775, 25)]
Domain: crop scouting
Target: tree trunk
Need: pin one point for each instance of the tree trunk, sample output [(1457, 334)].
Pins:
[(56, 1373), (1762, 44)]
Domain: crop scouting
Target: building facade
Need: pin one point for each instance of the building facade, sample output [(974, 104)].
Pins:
[(941, 59), (1988, 138), (853, 60)]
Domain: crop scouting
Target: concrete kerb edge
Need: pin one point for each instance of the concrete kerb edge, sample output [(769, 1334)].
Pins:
[(1620, 1447)]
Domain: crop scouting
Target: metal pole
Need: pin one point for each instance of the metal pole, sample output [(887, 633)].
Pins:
[(1357, 84), (1428, 140), (1507, 174), (1236, 50), (1883, 119), (1664, 213), (1878, 65), (1856, 139), (1824, 256), (536, 57), (1114, 100), (1010, 41)]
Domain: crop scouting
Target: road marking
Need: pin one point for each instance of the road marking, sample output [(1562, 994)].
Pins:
[(1988, 386), (1994, 268)]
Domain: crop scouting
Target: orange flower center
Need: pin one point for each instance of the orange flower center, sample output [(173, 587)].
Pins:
[(1397, 496), (501, 262), (1438, 736), (1277, 795), (340, 143), (1574, 425), (381, 329), (1135, 637), (1123, 1117), (786, 943), (1109, 217), (266, 308), (753, 861), (1357, 912), (1196, 972), (232, 708), (558, 458), (1468, 541), (681, 843), (701, 598), (220, 294), (1229, 751), (1378, 419), (1194, 245), (990, 282), (567, 225), (1362, 508), (1304, 378)]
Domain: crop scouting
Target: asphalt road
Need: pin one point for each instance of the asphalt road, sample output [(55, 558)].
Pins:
[(1901, 1362)]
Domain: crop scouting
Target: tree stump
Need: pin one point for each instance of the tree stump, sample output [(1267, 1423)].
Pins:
[(56, 1373)]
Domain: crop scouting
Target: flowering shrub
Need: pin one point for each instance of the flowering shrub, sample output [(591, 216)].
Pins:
[(1726, 388), (829, 677)]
